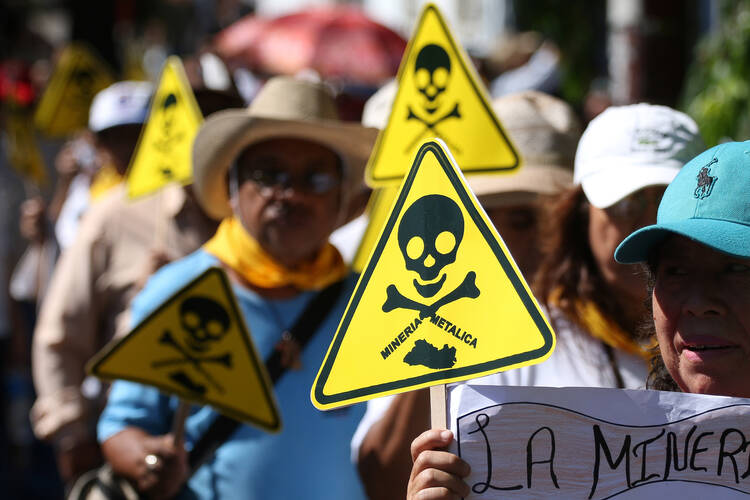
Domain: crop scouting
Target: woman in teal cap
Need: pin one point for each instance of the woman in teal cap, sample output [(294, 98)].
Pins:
[(698, 259)]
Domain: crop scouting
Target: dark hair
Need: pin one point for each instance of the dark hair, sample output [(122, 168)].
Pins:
[(658, 375), (568, 270)]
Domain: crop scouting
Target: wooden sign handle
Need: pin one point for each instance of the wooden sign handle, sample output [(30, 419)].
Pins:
[(160, 232), (178, 425), (438, 408)]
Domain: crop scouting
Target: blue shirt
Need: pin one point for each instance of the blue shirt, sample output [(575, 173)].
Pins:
[(308, 459)]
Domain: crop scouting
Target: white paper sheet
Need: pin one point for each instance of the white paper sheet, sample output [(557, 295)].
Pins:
[(588, 443)]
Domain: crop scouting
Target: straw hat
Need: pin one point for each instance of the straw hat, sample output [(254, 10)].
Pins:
[(284, 108), (545, 131)]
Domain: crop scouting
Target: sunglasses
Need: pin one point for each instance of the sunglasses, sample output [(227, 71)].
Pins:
[(312, 182)]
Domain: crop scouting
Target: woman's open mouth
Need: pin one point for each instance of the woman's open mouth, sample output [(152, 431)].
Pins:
[(700, 348), (707, 349)]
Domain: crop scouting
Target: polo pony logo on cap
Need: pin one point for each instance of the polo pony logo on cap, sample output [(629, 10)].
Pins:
[(705, 181)]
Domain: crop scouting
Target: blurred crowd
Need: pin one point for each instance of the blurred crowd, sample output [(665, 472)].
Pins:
[(278, 200)]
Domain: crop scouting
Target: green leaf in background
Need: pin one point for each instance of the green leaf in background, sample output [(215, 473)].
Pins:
[(717, 93)]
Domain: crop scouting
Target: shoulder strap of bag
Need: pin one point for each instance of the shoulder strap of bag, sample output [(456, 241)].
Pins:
[(306, 325)]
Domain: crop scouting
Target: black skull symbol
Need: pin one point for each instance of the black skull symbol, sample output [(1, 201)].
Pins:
[(84, 78), (204, 320), (169, 105), (429, 235), (432, 71)]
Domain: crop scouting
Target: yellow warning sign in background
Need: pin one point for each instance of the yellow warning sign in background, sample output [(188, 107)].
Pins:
[(64, 107), (439, 95), (196, 345), (23, 152), (440, 300), (164, 150), (378, 209)]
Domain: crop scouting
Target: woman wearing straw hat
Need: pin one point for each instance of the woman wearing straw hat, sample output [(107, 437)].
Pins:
[(280, 176), (698, 260)]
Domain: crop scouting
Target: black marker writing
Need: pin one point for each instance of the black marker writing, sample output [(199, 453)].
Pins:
[(723, 453), (550, 460), (482, 421), (564, 448), (601, 444)]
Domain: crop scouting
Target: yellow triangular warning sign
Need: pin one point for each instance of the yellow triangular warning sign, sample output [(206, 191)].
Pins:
[(64, 106), (23, 152), (439, 95), (196, 345), (163, 154), (440, 300), (378, 209)]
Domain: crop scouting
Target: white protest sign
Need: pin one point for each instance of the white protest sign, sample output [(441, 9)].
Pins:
[(601, 443)]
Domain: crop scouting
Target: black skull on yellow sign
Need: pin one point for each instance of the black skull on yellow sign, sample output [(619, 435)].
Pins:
[(429, 235), (204, 321), (432, 71)]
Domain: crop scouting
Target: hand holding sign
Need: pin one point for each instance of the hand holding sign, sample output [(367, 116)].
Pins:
[(156, 465), (435, 469)]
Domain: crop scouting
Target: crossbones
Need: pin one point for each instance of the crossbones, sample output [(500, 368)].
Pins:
[(224, 359), (467, 289), (454, 113), (166, 172), (165, 144)]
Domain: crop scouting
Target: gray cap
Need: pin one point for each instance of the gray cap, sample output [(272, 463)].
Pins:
[(545, 131)]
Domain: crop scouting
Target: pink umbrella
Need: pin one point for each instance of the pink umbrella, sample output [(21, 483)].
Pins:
[(340, 43)]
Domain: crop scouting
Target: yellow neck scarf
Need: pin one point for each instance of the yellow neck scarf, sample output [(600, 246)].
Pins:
[(599, 326), (237, 249), (104, 180)]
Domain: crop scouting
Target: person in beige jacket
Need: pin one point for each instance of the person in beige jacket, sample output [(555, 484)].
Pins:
[(87, 302), (119, 243)]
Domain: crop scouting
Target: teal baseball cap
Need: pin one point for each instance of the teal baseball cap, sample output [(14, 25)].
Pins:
[(708, 202)]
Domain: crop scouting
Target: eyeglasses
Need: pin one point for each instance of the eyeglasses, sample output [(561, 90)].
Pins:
[(312, 182)]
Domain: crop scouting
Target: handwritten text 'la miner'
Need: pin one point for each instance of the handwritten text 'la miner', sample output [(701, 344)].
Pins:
[(629, 457)]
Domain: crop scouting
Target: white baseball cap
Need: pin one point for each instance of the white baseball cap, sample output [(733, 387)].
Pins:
[(122, 103), (627, 148)]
